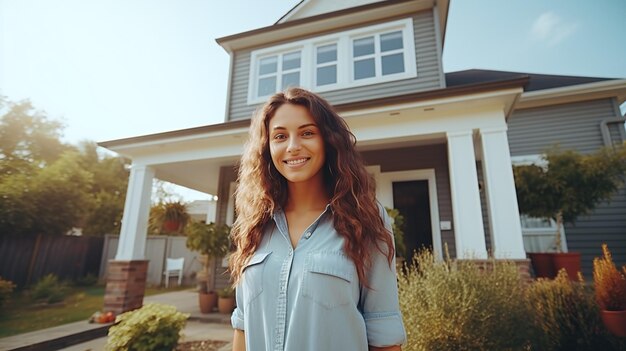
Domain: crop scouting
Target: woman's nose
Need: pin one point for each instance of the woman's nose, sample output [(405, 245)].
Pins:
[(294, 145)]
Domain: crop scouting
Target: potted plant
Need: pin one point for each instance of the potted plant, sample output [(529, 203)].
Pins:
[(211, 241), (567, 186), (169, 217), (226, 300), (610, 288)]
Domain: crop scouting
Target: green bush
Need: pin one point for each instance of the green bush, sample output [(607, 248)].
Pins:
[(566, 317), (460, 305), (49, 289), (6, 289), (87, 280), (152, 327)]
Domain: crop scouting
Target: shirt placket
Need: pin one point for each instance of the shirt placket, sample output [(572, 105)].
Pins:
[(281, 310)]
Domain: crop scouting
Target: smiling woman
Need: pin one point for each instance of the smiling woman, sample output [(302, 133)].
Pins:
[(314, 262)]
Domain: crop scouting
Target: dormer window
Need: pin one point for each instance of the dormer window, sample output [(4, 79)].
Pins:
[(363, 56)]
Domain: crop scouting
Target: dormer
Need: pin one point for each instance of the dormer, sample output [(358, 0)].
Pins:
[(347, 51)]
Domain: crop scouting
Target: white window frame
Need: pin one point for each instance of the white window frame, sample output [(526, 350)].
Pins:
[(547, 231), (308, 63)]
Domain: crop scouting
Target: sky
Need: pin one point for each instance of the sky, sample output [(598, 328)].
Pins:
[(112, 69)]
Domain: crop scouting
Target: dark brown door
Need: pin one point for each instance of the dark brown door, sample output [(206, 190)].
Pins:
[(411, 199)]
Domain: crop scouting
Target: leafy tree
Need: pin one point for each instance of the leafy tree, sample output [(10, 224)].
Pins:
[(28, 139), (570, 185)]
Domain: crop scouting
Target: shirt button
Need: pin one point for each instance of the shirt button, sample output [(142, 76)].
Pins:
[(290, 253), (307, 235)]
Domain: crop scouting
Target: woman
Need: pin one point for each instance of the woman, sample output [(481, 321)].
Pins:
[(314, 266)]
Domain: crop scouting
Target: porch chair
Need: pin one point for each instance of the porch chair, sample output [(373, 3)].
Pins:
[(173, 268)]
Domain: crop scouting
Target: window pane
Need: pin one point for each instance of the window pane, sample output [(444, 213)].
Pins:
[(291, 60), (268, 65), (393, 64), (291, 80), (326, 75), (363, 46), (327, 53), (364, 69), (391, 41), (267, 86)]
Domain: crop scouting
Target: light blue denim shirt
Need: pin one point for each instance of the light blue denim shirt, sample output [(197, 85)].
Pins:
[(310, 298)]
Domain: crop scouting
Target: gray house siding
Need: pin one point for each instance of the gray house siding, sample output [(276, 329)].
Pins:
[(429, 74), (423, 157), (577, 126)]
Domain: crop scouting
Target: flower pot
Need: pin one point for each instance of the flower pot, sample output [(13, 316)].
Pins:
[(615, 322), (171, 226), (543, 264), (226, 304), (207, 301), (570, 261)]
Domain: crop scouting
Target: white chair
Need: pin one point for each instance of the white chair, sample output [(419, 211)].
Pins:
[(173, 268)]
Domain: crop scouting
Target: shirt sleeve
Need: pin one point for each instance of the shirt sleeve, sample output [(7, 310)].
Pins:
[(379, 303), (236, 319)]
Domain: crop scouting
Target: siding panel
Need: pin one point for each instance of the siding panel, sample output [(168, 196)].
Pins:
[(576, 126), (428, 74)]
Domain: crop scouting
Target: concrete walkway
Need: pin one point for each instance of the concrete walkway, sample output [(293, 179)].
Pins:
[(83, 336)]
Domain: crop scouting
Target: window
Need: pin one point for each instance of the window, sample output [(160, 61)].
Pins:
[(278, 71), (379, 53), (326, 63)]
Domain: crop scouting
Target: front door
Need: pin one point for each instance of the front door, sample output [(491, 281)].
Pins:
[(412, 200)]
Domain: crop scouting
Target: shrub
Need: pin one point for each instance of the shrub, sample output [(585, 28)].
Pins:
[(226, 292), (49, 289), (6, 289), (459, 305), (152, 327), (87, 280), (565, 316), (610, 283)]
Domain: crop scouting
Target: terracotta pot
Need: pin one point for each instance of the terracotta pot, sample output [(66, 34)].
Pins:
[(615, 322), (226, 304), (207, 301), (568, 260), (543, 264), (171, 226)]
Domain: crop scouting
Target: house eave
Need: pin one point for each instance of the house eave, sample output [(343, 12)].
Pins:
[(323, 23), (615, 88)]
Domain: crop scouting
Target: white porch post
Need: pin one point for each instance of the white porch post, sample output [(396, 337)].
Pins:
[(132, 240), (504, 220), (469, 233)]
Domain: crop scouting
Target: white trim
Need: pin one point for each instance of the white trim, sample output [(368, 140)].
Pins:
[(589, 91), (344, 58), (230, 207), (384, 191)]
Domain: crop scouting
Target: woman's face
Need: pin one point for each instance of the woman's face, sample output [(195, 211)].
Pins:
[(296, 144)]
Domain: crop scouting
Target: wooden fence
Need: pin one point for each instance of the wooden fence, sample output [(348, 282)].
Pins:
[(26, 259)]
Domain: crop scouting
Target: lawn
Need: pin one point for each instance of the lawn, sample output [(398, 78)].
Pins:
[(22, 315)]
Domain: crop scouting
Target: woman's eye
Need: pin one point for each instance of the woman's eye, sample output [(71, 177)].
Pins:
[(279, 136), (307, 133)]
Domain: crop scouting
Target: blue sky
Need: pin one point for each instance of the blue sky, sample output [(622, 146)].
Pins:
[(119, 68)]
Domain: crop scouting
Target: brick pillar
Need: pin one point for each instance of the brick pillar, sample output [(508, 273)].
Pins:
[(126, 284)]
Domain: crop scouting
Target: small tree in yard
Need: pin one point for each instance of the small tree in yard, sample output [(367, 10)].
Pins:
[(569, 185), (210, 240)]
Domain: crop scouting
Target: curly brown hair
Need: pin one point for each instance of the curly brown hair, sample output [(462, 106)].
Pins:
[(261, 189)]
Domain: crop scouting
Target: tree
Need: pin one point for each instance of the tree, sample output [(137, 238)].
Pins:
[(570, 185), (28, 139)]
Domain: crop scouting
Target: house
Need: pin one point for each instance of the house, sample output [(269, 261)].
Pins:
[(440, 145)]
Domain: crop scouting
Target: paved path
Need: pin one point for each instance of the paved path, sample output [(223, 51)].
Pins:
[(212, 326)]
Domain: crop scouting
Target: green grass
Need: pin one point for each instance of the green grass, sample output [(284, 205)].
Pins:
[(22, 315)]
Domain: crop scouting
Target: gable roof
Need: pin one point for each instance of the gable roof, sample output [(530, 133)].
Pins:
[(308, 8), (535, 81)]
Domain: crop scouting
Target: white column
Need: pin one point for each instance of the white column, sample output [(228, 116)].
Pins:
[(132, 241), (469, 233), (504, 221)]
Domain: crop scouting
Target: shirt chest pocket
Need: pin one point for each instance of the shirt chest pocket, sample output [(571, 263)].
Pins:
[(328, 278), (252, 279)]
